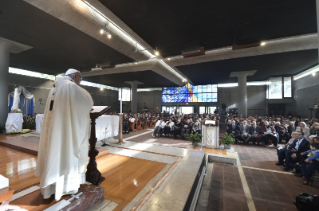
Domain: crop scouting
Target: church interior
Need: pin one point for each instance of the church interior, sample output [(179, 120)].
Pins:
[(197, 105)]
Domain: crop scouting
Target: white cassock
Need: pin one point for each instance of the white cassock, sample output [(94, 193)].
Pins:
[(63, 147)]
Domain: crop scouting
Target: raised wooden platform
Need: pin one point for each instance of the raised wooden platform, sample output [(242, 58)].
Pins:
[(30, 144)]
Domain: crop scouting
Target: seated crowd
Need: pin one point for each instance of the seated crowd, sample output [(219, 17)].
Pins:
[(300, 151)]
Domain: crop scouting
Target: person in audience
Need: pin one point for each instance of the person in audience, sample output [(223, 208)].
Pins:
[(168, 127), (304, 129), (311, 164), (160, 124), (178, 128), (314, 131), (291, 127), (254, 131), (297, 123), (196, 128), (126, 123), (235, 130), (187, 127), (292, 154), (244, 130), (269, 133)]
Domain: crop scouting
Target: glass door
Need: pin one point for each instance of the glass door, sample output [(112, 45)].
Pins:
[(202, 109)]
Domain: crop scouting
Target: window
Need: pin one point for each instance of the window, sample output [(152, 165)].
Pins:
[(287, 86), (190, 93), (126, 94), (279, 87)]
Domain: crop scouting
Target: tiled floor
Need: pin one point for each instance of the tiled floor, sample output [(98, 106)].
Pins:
[(226, 192), (270, 187)]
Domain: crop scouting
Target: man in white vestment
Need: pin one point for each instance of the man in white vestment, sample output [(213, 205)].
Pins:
[(63, 147)]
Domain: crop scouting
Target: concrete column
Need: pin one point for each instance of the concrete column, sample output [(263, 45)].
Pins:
[(4, 77), (317, 8), (6, 47), (242, 90), (133, 94)]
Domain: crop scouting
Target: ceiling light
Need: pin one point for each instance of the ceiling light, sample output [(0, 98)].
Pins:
[(136, 62), (262, 43), (169, 58), (313, 74), (101, 89), (101, 31), (109, 36), (156, 53)]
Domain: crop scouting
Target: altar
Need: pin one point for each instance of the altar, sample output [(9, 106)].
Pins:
[(107, 126), (14, 122), (210, 136)]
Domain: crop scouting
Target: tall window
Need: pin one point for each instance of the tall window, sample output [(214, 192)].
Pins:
[(190, 93), (279, 87)]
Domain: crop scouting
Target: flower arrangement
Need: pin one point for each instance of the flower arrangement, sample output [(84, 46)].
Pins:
[(16, 111), (2, 128), (24, 131), (28, 122)]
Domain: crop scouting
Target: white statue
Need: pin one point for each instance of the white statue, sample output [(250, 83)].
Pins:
[(16, 100)]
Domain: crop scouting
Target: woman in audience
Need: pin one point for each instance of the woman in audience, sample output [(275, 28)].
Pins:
[(178, 128), (304, 129), (269, 133), (291, 127), (314, 130)]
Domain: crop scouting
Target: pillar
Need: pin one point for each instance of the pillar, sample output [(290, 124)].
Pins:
[(4, 77), (133, 94), (317, 9), (6, 47), (242, 90)]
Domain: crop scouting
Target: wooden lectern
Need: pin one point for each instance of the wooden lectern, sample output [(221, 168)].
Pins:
[(93, 175)]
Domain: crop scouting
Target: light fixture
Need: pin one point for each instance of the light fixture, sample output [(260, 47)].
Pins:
[(101, 89), (102, 31), (169, 58), (136, 62), (156, 53), (314, 73), (262, 43)]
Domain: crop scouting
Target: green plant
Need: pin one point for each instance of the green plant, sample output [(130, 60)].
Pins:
[(28, 123), (194, 137), (228, 139), (2, 128)]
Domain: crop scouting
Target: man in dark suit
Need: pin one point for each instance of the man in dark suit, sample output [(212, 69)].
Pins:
[(299, 145), (234, 129), (254, 132)]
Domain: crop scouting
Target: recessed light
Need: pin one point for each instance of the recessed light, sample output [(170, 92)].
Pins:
[(101, 31), (109, 36), (314, 73), (262, 43), (156, 53), (169, 58), (101, 89)]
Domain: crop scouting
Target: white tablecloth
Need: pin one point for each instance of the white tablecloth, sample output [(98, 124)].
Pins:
[(38, 122), (107, 126), (14, 122), (210, 136)]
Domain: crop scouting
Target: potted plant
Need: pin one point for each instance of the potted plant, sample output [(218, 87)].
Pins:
[(227, 140), (2, 128), (194, 138)]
